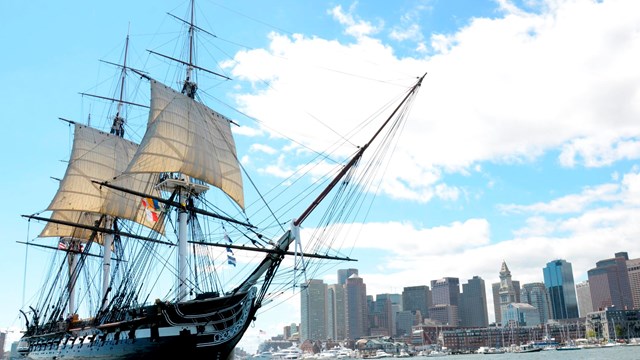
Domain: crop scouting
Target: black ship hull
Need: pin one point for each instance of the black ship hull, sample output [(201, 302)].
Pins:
[(206, 329)]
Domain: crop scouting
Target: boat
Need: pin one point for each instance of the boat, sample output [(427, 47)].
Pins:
[(129, 214), (380, 354), (338, 352), (291, 353), (568, 347), (402, 353), (528, 348), (490, 350), (264, 355), (437, 353)]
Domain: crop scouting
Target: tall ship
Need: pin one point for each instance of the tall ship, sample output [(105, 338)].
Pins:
[(145, 265)]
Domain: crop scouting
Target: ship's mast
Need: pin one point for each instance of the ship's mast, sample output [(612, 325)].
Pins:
[(189, 89), (117, 129), (73, 274)]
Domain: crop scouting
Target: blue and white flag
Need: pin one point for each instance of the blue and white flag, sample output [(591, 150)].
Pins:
[(231, 260)]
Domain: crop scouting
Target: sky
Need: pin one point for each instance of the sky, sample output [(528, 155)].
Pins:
[(523, 144)]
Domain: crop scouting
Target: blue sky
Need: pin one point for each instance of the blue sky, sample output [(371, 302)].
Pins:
[(523, 144)]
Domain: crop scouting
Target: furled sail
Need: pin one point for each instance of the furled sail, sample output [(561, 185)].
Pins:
[(187, 137), (99, 156)]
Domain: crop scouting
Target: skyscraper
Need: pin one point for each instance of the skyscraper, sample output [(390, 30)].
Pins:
[(336, 320), (383, 315), (417, 298), (583, 292), (535, 294), (473, 304), (495, 292), (609, 283), (344, 274), (445, 291), (356, 307), (445, 294), (633, 267), (404, 322), (558, 278), (313, 311)]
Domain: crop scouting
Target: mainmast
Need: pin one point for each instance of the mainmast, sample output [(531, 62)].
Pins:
[(117, 129), (183, 184), (189, 87)]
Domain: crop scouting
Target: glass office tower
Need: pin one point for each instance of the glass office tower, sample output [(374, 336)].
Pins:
[(558, 279)]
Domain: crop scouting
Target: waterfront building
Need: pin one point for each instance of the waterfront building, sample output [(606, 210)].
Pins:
[(535, 294), (520, 314), (356, 307), (344, 274), (429, 334), (583, 292), (417, 299), (633, 268), (558, 278), (473, 304), (609, 283), (612, 324), (313, 310), (466, 340), (336, 320)]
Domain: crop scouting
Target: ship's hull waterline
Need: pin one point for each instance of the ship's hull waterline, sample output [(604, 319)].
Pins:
[(171, 331)]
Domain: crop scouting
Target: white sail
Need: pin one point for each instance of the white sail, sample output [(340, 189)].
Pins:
[(187, 137), (66, 231), (100, 156)]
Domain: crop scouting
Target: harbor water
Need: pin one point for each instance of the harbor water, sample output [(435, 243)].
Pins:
[(612, 353)]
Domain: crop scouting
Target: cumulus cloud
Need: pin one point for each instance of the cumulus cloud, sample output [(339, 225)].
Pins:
[(353, 26), (505, 89), (573, 203)]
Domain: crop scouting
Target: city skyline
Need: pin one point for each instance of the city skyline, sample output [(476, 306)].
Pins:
[(449, 302)]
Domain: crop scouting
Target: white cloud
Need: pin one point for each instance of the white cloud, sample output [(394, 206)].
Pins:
[(353, 27), (411, 32), (506, 89), (573, 203), (246, 131), (263, 148), (597, 151)]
